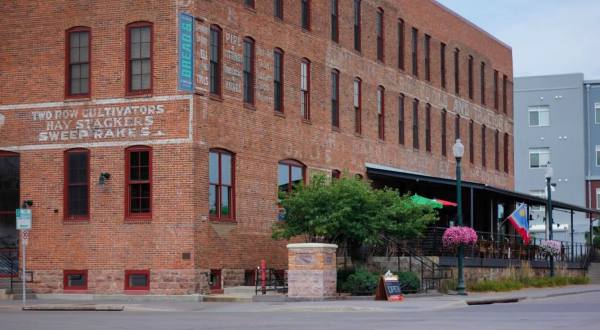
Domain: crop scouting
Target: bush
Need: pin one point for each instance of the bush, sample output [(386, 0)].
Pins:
[(362, 282), (526, 282), (409, 281), (342, 277)]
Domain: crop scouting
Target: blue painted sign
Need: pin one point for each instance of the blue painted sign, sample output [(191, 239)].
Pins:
[(186, 53)]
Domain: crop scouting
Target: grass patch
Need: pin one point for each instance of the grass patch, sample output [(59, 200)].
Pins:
[(509, 284)]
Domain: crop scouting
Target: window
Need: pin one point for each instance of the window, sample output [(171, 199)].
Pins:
[(428, 127), (357, 100), (78, 62), (496, 89), (335, 29), (290, 173), (305, 89), (482, 83), (443, 126), (401, 44), (381, 112), (443, 64), (77, 182), (249, 3), (427, 57), (305, 14), (471, 141), (336, 174), (415, 44), (139, 182), (249, 71), (539, 157), (139, 58), (506, 148), (457, 127), (221, 193), (483, 146), (415, 124), (278, 9), (539, 116), (75, 279), (597, 113), (278, 80), (598, 198), (497, 150), (335, 103), (216, 53), (357, 23), (470, 77), (456, 71), (504, 96), (137, 280), (538, 193), (379, 31), (597, 155), (401, 119)]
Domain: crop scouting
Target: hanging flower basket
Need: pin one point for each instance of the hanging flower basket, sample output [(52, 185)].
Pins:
[(550, 248), (459, 236)]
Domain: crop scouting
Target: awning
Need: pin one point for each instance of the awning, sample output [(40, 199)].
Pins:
[(445, 203), (383, 171)]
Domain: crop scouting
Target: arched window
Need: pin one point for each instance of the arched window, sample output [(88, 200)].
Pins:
[(290, 173), (336, 174), (138, 181), (76, 184), (221, 193), (139, 58)]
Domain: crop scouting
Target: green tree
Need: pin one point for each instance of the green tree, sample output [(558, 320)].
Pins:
[(350, 212)]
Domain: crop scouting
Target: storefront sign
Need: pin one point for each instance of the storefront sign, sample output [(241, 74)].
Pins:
[(186, 52)]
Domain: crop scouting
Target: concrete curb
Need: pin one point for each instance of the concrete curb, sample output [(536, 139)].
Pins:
[(121, 297), (511, 299), (494, 301), (70, 307)]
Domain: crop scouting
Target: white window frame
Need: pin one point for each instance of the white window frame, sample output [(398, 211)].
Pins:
[(538, 193), (539, 109), (541, 163), (597, 195), (596, 109)]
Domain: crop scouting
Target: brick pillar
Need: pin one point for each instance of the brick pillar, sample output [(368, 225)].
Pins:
[(312, 270)]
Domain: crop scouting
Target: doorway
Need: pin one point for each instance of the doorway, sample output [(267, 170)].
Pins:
[(9, 199)]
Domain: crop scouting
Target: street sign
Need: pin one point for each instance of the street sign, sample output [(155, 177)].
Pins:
[(25, 235), (23, 219)]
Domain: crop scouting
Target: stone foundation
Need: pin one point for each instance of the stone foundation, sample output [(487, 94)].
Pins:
[(162, 281), (312, 270)]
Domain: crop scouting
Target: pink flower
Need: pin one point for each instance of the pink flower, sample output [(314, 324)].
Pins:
[(456, 236), (550, 248)]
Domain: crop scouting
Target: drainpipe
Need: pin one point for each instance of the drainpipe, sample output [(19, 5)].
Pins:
[(588, 147)]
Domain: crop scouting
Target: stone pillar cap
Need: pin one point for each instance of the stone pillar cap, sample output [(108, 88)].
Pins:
[(311, 245)]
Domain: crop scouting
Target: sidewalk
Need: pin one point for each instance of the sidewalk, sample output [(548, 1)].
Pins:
[(410, 304)]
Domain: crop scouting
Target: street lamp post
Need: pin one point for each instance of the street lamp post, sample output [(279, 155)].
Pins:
[(459, 150), (549, 173)]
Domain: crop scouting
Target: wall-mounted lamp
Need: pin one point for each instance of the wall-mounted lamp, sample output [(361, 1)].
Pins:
[(104, 176), (27, 204)]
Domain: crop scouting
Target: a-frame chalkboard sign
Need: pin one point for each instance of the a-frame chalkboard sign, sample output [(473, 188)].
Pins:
[(389, 288)]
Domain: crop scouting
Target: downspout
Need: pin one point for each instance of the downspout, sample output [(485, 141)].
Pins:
[(588, 146)]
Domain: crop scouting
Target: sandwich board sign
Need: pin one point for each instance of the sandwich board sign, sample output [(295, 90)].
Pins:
[(23, 219), (389, 288)]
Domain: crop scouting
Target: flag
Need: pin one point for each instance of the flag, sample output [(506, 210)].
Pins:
[(519, 220)]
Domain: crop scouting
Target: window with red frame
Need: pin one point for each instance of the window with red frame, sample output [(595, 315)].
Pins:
[(75, 280), (483, 146), (357, 25), (305, 89), (401, 119), (249, 3), (139, 57), (496, 89), (415, 124), (443, 126), (249, 58), (290, 173), (379, 30), (443, 64), (357, 100), (77, 181), (427, 59), (428, 127), (278, 80), (137, 280), (504, 94), (221, 189), (457, 127), (335, 98), (415, 50), (139, 182), (78, 61), (471, 141), (401, 44), (470, 76), (216, 51), (497, 150), (482, 82), (335, 33), (305, 14), (456, 71), (381, 112), (278, 8), (506, 146)]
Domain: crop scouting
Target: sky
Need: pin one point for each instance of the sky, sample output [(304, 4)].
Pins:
[(546, 36)]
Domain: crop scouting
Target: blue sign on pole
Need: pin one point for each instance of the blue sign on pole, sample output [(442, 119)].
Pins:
[(186, 53)]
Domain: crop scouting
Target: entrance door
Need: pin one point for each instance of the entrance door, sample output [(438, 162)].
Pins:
[(9, 199)]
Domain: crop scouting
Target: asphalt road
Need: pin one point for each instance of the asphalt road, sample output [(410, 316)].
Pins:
[(581, 311)]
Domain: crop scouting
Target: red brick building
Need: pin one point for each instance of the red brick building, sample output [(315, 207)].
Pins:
[(138, 186)]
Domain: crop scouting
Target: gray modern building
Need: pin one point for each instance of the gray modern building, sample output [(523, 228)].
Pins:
[(592, 132), (551, 127)]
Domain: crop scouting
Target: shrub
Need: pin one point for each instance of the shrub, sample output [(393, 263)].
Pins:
[(525, 282), (362, 282), (342, 277), (409, 281)]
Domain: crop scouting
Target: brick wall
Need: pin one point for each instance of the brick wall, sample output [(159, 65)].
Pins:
[(33, 73)]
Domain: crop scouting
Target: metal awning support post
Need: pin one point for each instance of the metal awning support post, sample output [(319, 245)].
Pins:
[(471, 208), (492, 219), (572, 233)]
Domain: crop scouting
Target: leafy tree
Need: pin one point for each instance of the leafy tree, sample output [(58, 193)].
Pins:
[(350, 212)]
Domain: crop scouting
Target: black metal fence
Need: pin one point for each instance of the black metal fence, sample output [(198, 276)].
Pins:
[(9, 267)]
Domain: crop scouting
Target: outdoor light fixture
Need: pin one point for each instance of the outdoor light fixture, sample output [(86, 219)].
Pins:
[(104, 176), (549, 171), (27, 204), (459, 150)]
